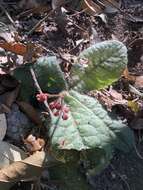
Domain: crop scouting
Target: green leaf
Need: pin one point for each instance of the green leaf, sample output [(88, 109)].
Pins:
[(48, 73), (100, 65), (89, 126)]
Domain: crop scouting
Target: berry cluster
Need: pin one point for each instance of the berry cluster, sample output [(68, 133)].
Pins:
[(58, 109), (42, 97)]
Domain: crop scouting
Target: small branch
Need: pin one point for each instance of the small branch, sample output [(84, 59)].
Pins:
[(7, 14), (39, 23), (36, 84)]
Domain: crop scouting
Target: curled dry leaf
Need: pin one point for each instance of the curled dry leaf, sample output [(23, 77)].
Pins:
[(24, 170), (34, 144), (31, 112)]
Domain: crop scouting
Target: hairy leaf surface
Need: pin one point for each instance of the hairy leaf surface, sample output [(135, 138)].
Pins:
[(100, 65)]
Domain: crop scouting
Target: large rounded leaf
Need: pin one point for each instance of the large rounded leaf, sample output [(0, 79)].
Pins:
[(48, 73), (100, 65), (89, 126)]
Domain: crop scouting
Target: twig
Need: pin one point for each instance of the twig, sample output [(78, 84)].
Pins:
[(7, 14), (78, 13), (135, 91), (36, 84), (40, 22)]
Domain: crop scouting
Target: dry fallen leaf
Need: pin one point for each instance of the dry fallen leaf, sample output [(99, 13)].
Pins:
[(129, 76), (25, 170), (15, 47), (9, 154), (31, 112), (22, 49), (5, 33), (110, 98), (139, 82), (34, 144), (134, 106)]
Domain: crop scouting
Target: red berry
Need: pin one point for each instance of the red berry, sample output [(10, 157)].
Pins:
[(65, 116), (66, 109), (42, 97), (52, 105), (58, 106), (56, 113)]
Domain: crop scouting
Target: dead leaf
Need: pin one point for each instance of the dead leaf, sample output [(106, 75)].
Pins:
[(15, 47), (139, 82), (129, 76), (25, 170), (134, 106), (110, 98), (9, 154), (3, 126), (30, 112), (34, 144), (6, 33), (91, 7), (115, 95)]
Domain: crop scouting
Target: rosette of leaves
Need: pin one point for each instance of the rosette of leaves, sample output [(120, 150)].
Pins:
[(99, 65), (90, 131)]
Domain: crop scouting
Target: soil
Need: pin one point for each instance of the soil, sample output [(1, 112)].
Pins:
[(66, 37)]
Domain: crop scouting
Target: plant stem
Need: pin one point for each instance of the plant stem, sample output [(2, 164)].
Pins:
[(36, 84)]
